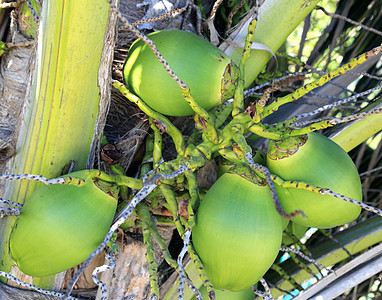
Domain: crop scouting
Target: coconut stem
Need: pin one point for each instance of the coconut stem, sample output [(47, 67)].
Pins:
[(336, 103), (182, 274), (303, 266), (9, 202), (172, 13), (266, 288), (194, 194), (111, 264), (347, 199), (221, 112), (150, 226), (268, 177), (311, 260), (322, 191), (9, 211), (329, 123), (260, 293), (36, 288), (147, 161), (38, 178), (264, 131), (237, 135), (144, 214), (172, 206), (119, 178), (157, 143)]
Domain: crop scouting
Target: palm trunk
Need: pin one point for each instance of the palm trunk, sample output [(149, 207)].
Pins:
[(66, 107)]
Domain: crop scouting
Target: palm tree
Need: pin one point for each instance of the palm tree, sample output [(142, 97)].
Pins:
[(317, 45)]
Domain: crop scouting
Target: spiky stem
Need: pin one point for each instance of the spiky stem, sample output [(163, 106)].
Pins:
[(172, 205), (157, 149), (267, 175), (266, 288), (303, 266), (173, 13), (153, 266), (182, 274), (330, 123), (298, 243), (194, 194), (322, 191), (337, 103), (9, 211), (274, 106), (36, 288), (311, 260), (147, 228), (208, 121), (260, 293), (38, 178), (110, 265), (9, 202)]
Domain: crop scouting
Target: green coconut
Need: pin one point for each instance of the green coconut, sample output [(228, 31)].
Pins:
[(238, 230), (209, 73), (315, 159), (60, 226)]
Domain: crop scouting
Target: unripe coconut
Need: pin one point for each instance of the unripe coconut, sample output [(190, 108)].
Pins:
[(60, 226), (238, 230), (316, 160), (209, 73)]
